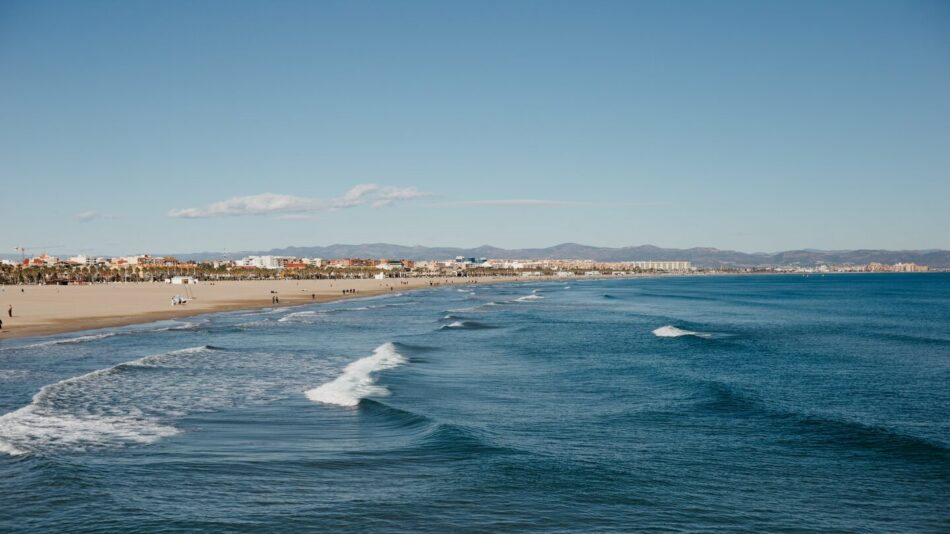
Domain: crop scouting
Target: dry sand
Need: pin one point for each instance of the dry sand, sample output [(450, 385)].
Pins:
[(43, 310)]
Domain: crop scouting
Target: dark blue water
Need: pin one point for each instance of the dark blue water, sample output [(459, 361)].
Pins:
[(778, 403)]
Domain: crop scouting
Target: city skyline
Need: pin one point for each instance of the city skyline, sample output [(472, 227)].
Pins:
[(741, 126)]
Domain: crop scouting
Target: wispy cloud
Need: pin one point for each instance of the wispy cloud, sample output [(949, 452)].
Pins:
[(275, 204), (88, 216), (529, 202)]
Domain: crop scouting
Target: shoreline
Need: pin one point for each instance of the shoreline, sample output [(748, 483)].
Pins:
[(51, 310), (41, 311)]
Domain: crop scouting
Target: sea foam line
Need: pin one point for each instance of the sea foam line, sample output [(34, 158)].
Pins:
[(64, 341), (358, 380), (42, 423)]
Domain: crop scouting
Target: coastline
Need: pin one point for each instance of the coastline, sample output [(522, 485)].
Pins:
[(41, 310), (51, 310)]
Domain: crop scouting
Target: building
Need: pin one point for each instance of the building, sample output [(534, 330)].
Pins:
[(465, 263), (669, 266), (264, 262), (295, 265), (910, 268), (389, 265), (352, 262)]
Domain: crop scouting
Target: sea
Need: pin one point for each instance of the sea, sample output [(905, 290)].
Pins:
[(668, 404)]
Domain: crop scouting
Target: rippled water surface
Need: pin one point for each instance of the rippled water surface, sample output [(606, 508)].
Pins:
[(686, 404)]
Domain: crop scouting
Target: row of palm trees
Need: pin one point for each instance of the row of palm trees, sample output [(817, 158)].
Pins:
[(63, 274), (18, 274)]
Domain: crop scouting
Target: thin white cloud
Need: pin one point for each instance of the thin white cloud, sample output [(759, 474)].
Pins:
[(527, 202), (276, 204), (88, 216)]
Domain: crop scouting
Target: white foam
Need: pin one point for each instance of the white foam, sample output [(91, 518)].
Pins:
[(672, 331), (358, 380), (66, 341), (296, 316), (6, 448), (530, 297), (90, 410), (455, 324), (178, 325)]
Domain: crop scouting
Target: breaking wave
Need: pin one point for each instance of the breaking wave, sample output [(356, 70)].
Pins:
[(100, 408), (672, 331), (358, 380), (526, 298), (465, 325)]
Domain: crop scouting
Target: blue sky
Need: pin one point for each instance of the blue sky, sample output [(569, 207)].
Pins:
[(758, 126)]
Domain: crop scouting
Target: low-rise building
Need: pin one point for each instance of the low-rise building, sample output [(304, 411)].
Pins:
[(669, 266)]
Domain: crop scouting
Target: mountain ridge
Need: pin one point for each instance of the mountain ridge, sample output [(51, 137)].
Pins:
[(699, 256)]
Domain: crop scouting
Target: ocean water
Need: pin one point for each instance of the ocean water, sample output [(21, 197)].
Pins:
[(714, 404)]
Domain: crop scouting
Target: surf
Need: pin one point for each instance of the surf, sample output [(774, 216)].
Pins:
[(358, 380), (528, 298), (672, 331), (83, 412), (465, 325)]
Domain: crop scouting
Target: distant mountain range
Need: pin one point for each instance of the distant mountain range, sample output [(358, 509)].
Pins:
[(700, 256)]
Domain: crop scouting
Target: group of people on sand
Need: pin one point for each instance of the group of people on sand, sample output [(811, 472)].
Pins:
[(346, 291)]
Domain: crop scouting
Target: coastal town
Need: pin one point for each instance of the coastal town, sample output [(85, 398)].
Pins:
[(48, 269)]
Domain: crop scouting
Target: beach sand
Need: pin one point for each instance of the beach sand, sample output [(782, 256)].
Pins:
[(45, 310)]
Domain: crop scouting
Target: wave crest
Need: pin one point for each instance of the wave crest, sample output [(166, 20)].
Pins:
[(672, 331), (358, 380), (527, 298)]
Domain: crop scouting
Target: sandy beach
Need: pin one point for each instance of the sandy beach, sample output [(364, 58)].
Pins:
[(45, 310)]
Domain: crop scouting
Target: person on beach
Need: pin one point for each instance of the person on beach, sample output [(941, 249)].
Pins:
[(10, 310)]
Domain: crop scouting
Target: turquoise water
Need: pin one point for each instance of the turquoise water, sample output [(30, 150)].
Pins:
[(773, 403)]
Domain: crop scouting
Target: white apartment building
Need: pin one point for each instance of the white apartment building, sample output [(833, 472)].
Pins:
[(263, 262), (669, 266)]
